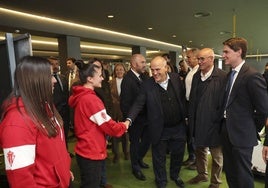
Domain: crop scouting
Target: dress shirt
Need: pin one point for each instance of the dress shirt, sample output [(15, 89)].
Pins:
[(137, 74), (164, 84), (207, 75), (237, 69), (118, 85), (188, 81)]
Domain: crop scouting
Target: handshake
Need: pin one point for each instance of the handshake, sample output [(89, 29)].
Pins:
[(127, 123)]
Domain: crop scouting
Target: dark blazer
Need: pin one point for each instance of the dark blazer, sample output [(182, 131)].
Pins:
[(60, 98), (248, 94), (205, 108), (150, 98), (130, 88)]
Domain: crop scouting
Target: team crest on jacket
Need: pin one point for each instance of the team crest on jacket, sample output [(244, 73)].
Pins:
[(103, 115), (10, 157)]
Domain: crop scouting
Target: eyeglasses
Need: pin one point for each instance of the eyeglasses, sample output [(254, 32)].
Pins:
[(202, 59)]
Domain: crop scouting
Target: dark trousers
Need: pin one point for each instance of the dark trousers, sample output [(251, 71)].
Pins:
[(174, 140), (115, 145), (139, 143), (236, 163), (90, 172), (190, 145)]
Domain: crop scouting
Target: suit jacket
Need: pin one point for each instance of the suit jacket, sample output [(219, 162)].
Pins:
[(130, 88), (60, 98), (205, 108), (149, 97), (248, 95)]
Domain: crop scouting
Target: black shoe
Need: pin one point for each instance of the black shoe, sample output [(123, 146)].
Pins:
[(143, 164), (179, 182), (139, 175)]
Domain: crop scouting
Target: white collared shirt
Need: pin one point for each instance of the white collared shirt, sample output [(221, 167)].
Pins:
[(237, 69), (207, 75), (136, 74), (164, 84), (188, 80), (118, 85)]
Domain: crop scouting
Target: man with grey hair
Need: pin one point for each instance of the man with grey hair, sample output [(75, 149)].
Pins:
[(163, 95), (204, 117)]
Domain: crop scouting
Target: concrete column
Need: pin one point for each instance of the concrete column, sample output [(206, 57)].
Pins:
[(139, 50), (69, 46)]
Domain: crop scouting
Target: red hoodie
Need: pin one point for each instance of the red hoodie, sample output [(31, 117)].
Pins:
[(32, 159), (92, 123)]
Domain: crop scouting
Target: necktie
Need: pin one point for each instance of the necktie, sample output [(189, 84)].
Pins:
[(58, 80), (140, 79), (230, 82), (229, 85)]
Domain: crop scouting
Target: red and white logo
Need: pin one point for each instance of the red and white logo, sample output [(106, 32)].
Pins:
[(103, 115), (10, 157)]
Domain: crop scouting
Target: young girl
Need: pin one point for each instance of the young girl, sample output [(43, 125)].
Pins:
[(92, 123), (31, 132)]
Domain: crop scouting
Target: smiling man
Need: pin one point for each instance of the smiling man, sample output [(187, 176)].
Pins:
[(245, 93), (163, 95)]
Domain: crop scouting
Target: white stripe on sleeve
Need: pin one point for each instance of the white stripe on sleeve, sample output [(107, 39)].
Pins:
[(100, 117), (19, 157)]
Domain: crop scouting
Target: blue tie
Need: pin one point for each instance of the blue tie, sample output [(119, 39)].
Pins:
[(228, 88), (231, 79)]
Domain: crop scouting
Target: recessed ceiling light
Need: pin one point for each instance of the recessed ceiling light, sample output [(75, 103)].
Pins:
[(202, 14), (110, 16), (150, 28), (17, 31), (225, 32), (174, 36), (190, 41)]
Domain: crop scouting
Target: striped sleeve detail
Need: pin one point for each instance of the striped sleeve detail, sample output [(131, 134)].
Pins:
[(100, 117), (19, 156)]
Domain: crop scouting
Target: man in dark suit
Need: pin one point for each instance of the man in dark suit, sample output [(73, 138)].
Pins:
[(204, 117), (164, 97), (130, 88), (61, 95), (265, 156), (244, 95)]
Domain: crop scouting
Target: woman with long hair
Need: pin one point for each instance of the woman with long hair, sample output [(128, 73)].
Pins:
[(31, 131)]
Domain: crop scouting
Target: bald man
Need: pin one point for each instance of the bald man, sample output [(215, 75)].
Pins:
[(163, 95), (138, 136), (204, 117)]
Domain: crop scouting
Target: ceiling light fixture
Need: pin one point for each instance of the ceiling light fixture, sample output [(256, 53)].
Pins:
[(71, 24), (83, 46), (174, 36), (202, 14), (150, 28), (224, 32), (110, 16)]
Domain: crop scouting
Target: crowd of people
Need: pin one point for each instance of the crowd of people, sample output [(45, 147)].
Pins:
[(197, 109)]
